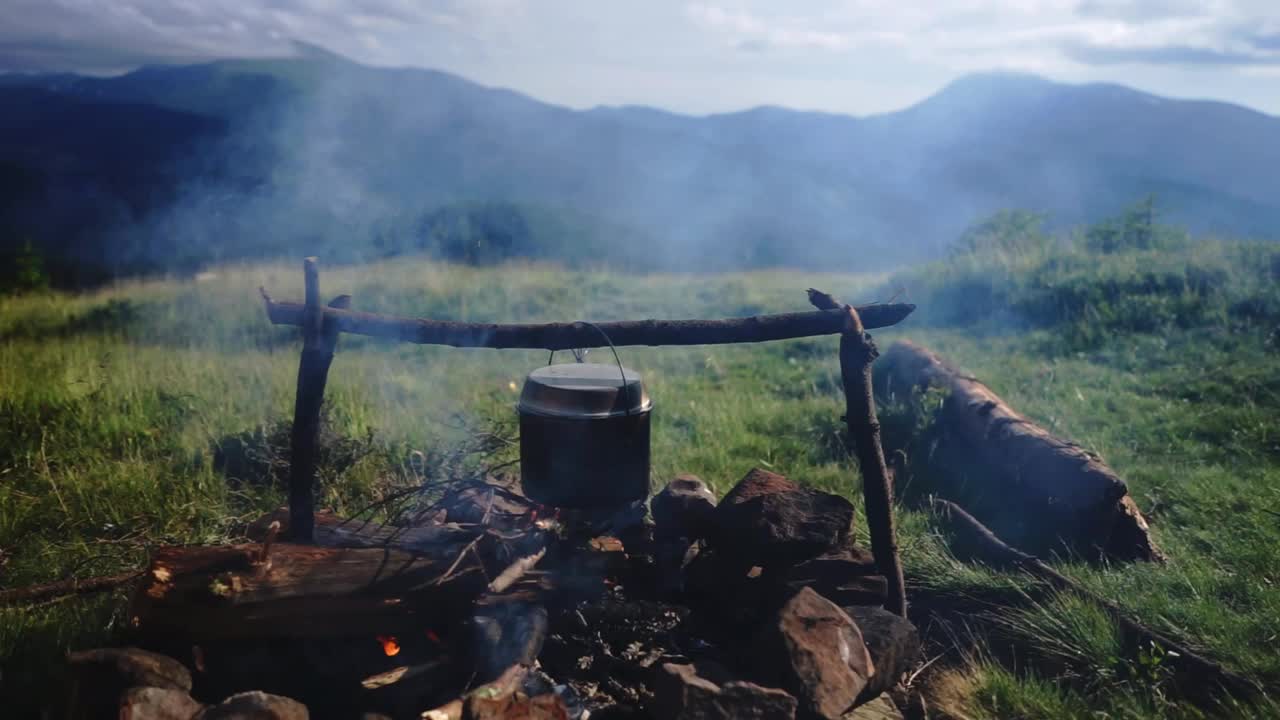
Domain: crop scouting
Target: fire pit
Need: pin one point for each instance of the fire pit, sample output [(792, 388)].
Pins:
[(554, 597), (756, 606)]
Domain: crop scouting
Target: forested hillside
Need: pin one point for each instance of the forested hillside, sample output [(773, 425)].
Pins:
[(177, 167)]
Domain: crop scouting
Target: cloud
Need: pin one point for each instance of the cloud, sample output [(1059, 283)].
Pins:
[(849, 55), (1266, 42), (96, 35), (1143, 11), (747, 31), (1167, 55)]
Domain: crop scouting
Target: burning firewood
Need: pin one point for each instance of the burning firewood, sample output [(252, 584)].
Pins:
[(303, 591)]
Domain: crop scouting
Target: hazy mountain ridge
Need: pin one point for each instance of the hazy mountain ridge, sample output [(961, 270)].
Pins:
[(301, 155)]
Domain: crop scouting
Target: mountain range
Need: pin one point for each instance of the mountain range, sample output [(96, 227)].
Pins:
[(177, 166)]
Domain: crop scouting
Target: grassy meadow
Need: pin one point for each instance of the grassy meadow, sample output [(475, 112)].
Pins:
[(117, 406)]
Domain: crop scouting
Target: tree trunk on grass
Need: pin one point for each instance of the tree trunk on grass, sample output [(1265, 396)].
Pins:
[(1043, 493)]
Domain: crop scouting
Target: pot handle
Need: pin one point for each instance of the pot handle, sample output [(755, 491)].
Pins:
[(616, 359)]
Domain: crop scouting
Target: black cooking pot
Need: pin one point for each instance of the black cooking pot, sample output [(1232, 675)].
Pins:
[(584, 436)]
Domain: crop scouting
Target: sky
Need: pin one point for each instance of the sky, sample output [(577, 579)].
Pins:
[(847, 56)]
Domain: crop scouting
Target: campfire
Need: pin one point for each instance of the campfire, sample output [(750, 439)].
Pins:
[(565, 591), (568, 591), (759, 605)]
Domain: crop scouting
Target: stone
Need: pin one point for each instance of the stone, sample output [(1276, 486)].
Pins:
[(879, 709), (505, 634), (515, 706), (673, 556), (255, 705), (814, 651), (100, 678), (769, 521), (129, 667), (834, 568), (706, 691), (845, 577), (892, 641), (725, 593), (683, 508), (152, 703), (870, 591)]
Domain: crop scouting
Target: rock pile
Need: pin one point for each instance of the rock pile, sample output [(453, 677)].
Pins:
[(758, 606)]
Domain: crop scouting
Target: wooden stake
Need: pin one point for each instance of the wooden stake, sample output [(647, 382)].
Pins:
[(857, 352), (318, 344)]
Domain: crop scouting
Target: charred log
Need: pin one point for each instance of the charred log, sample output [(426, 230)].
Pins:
[(300, 591)]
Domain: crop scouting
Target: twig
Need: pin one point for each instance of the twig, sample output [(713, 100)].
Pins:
[(912, 677), (974, 541), (264, 557), (404, 672), (484, 519), (515, 571), (506, 683), (471, 546), (65, 588)]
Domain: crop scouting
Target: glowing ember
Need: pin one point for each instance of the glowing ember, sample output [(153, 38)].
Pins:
[(433, 637), (390, 645)]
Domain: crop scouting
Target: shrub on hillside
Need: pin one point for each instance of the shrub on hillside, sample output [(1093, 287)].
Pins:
[(23, 270), (1134, 229), (1125, 274)]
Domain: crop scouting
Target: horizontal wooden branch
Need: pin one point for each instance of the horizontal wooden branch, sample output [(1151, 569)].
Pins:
[(563, 336), (65, 588)]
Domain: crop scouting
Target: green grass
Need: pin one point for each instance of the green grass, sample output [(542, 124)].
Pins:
[(111, 404)]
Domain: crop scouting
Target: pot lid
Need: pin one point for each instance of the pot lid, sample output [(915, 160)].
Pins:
[(584, 390)]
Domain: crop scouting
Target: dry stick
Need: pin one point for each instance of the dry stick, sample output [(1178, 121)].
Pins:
[(515, 571), (34, 594), (508, 682), (971, 540), (458, 561), (319, 342), (857, 352), (404, 672), (563, 336)]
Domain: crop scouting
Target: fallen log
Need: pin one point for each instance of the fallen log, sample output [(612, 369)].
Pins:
[(1197, 675), (301, 590), (1044, 494), (564, 336)]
